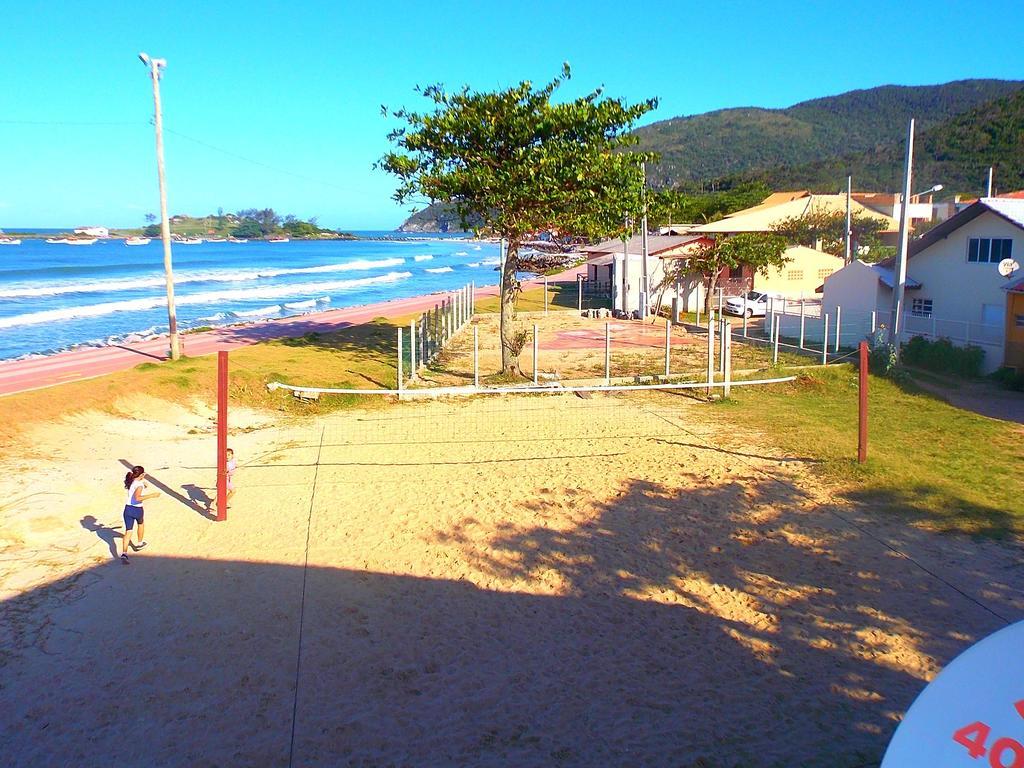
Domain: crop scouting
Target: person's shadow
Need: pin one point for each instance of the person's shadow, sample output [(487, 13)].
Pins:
[(198, 496), (108, 535)]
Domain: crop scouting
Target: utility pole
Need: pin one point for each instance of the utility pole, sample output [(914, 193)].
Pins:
[(155, 66), (645, 294), (901, 257), (849, 235)]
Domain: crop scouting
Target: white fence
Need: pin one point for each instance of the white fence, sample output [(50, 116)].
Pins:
[(805, 326)]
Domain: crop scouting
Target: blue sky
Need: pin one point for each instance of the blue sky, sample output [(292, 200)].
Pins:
[(298, 87)]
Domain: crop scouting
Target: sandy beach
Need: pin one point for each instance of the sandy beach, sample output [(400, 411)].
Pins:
[(540, 581)]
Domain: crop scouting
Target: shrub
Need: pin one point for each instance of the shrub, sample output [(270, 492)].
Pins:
[(942, 356), (1008, 378)]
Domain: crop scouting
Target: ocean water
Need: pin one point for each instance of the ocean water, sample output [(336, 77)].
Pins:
[(55, 297)]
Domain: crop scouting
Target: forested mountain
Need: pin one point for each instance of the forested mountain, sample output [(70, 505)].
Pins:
[(956, 153), (962, 128), (703, 148)]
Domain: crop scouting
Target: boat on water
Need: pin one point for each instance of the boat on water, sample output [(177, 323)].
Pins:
[(71, 240), (216, 240), (190, 241), (238, 240), (138, 240), (10, 241), (278, 239)]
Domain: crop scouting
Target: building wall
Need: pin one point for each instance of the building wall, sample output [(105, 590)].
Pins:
[(806, 270), (967, 297), (856, 289)]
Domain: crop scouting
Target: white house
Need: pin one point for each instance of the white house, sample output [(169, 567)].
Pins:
[(621, 265), (954, 289), (93, 231)]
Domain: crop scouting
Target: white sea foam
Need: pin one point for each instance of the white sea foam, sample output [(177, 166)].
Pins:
[(476, 247), (423, 257), (310, 304), (473, 264), (261, 312), (28, 290), (437, 270), (491, 262), (209, 297), (460, 253)]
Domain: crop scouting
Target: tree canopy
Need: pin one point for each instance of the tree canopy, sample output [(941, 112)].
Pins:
[(755, 249), (829, 227), (521, 163)]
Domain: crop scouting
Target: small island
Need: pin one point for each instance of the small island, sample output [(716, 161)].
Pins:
[(246, 224)]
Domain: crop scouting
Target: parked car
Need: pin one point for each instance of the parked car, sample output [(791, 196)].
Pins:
[(751, 304)]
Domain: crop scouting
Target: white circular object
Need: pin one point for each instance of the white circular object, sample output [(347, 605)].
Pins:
[(972, 714), (1007, 267)]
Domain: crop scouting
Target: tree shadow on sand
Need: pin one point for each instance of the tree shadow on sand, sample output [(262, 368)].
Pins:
[(735, 625)]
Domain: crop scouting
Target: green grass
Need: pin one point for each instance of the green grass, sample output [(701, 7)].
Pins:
[(560, 296), (940, 466)]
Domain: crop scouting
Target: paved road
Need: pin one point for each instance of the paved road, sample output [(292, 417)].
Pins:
[(40, 372)]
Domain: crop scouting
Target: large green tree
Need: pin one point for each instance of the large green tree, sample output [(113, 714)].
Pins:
[(520, 163), (754, 249), (829, 227)]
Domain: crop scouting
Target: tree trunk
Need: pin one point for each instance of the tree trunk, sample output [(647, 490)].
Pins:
[(509, 288), (709, 294)]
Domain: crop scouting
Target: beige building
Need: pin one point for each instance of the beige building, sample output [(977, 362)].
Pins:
[(780, 206), (802, 275)]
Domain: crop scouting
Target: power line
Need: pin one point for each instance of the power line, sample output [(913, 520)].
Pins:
[(229, 153), (260, 163)]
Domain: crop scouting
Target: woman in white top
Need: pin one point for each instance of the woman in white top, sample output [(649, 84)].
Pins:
[(136, 485)]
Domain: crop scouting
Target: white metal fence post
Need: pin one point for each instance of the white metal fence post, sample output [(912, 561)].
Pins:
[(839, 318), (728, 359), (399, 358), (545, 294), (412, 349), (668, 345), (534, 353), (824, 341), (697, 292), (801, 323), (721, 343), (872, 321), (720, 302), (744, 319), (711, 350), (476, 356), (579, 293), (607, 354), (776, 327)]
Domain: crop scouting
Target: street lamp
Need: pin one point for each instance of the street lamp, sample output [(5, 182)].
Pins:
[(155, 66), (936, 188)]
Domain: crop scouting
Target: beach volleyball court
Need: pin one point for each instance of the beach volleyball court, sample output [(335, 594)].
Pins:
[(508, 580)]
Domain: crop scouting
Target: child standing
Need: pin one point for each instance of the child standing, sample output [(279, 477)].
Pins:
[(231, 467), (136, 485)]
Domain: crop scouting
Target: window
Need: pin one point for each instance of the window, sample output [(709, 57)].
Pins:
[(823, 273), (795, 274), (1018, 321), (988, 250), (921, 308)]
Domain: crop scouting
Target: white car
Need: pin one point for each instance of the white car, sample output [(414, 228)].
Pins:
[(751, 304)]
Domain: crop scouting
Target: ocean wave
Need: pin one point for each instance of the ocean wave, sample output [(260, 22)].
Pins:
[(222, 276), (423, 257), (308, 304), (491, 262), (210, 297), (438, 270), (473, 264), (460, 253)]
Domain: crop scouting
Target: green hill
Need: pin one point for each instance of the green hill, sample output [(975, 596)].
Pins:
[(702, 148), (955, 153)]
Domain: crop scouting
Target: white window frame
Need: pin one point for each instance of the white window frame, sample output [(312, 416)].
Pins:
[(1005, 249), (921, 307)]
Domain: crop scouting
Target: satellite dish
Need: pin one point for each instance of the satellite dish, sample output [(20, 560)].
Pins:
[(1007, 267)]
